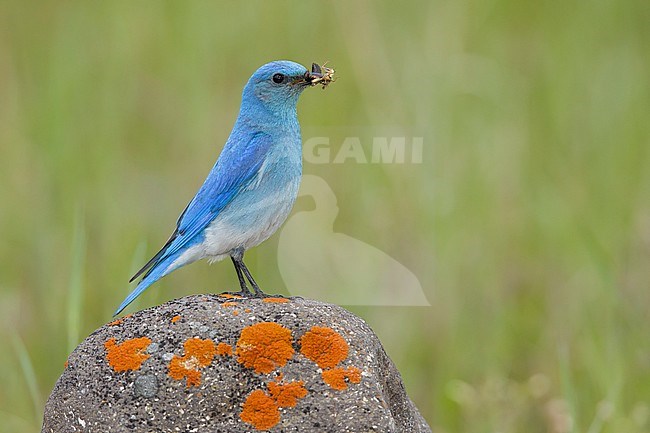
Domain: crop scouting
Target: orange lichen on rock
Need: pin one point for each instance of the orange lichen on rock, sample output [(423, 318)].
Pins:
[(229, 296), (335, 377), (327, 348), (353, 374), (264, 347), (224, 349), (115, 322), (128, 355), (247, 310), (65, 364), (198, 353), (176, 318), (230, 304), (287, 395), (260, 410), (276, 300), (324, 346), (235, 313)]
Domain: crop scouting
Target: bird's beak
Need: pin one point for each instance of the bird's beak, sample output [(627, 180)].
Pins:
[(319, 75)]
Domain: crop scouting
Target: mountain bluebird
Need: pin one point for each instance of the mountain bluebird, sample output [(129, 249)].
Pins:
[(251, 188)]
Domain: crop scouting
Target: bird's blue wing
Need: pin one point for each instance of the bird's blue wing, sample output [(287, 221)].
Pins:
[(237, 166)]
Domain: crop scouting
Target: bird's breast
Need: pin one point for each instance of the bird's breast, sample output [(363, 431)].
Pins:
[(252, 217), (258, 210)]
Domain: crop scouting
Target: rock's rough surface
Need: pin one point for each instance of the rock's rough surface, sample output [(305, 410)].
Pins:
[(211, 363)]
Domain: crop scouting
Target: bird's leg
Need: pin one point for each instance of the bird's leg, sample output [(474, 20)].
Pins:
[(258, 292), (242, 283), (237, 256)]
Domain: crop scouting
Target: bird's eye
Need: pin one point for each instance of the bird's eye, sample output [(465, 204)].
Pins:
[(278, 78)]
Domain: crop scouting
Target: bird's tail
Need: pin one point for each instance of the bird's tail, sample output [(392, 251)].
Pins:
[(158, 271)]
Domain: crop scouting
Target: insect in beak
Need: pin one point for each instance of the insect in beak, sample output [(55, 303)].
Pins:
[(320, 75)]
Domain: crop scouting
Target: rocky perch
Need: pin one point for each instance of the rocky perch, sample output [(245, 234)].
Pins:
[(211, 363)]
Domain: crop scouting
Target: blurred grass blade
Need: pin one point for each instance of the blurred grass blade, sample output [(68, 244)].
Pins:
[(76, 280), (27, 368), (137, 260), (139, 256), (568, 389)]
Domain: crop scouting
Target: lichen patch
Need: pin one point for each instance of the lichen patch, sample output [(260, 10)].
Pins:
[(261, 409), (264, 347), (287, 395), (224, 349), (230, 304), (276, 300), (198, 354), (128, 355), (324, 346), (338, 378), (327, 349)]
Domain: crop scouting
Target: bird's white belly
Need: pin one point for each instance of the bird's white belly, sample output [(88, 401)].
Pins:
[(246, 227)]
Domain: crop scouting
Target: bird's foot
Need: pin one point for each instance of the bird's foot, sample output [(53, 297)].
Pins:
[(261, 295), (257, 293), (242, 294)]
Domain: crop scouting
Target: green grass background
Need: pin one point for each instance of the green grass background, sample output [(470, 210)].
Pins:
[(528, 222)]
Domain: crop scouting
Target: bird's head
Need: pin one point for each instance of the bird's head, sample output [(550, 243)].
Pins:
[(278, 85)]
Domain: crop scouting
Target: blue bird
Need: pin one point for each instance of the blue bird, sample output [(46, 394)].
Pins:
[(251, 188)]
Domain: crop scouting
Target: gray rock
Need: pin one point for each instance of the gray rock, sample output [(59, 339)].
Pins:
[(232, 365), (146, 385)]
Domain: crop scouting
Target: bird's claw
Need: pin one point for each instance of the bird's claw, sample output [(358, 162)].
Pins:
[(241, 294), (257, 294)]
